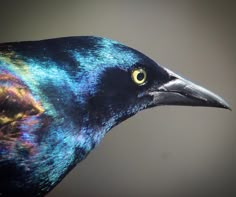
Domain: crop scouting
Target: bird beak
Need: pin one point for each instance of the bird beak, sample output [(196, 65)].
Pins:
[(179, 91)]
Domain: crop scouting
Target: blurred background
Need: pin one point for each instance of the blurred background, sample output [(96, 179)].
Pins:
[(165, 151)]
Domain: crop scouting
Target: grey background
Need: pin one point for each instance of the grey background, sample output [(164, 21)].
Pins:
[(165, 151)]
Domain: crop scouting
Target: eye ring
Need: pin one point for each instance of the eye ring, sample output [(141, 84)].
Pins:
[(139, 76)]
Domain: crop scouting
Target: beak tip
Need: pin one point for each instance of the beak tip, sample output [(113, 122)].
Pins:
[(221, 104), (218, 102), (226, 106)]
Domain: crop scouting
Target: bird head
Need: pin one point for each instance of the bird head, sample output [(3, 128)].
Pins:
[(81, 87), (102, 80), (122, 81)]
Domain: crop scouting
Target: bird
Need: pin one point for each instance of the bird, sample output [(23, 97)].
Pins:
[(60, 96)]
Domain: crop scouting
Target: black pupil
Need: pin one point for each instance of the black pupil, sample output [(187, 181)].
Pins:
[(140, 76)]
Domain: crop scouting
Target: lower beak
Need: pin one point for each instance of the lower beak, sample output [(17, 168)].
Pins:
[(179, 91)]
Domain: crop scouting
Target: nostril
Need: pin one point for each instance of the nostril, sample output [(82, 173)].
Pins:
[(171, 77)]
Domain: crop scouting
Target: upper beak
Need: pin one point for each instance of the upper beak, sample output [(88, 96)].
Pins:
[(179, 91)]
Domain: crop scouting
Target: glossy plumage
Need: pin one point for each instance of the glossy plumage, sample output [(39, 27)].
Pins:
[(59, 97)]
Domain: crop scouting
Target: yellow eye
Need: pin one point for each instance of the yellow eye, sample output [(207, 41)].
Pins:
[(139, 76)]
